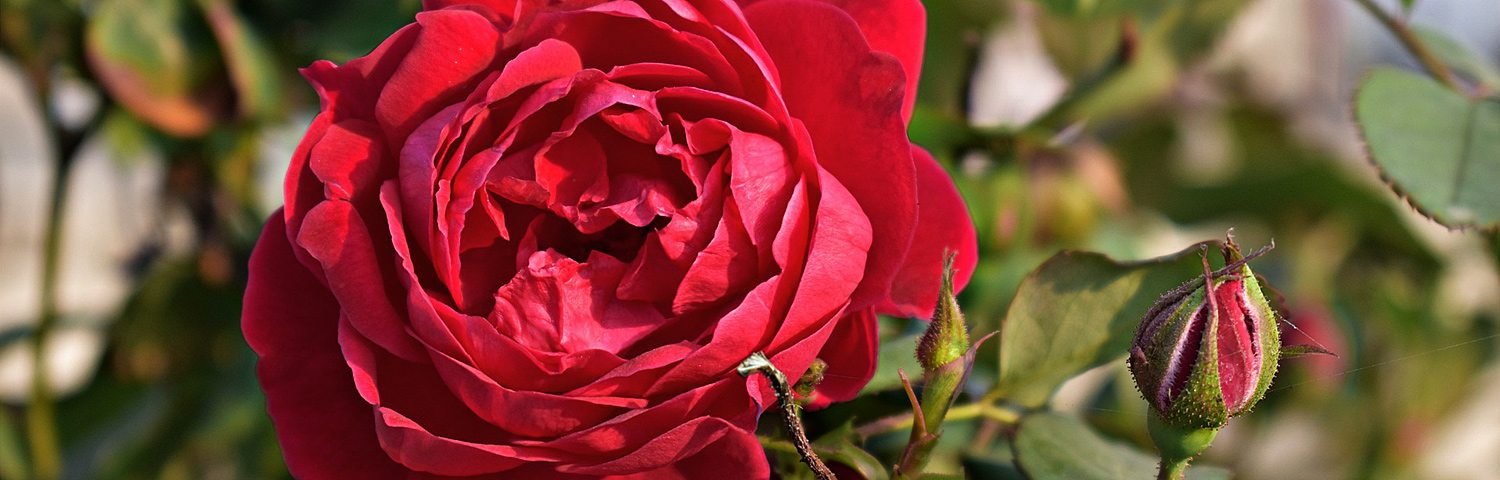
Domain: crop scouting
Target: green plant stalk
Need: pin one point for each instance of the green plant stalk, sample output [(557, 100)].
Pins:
[(1176, 445), (1171, 470), (904, 421), (41, 415), (938, 393), (1414, 45), (41, 418)]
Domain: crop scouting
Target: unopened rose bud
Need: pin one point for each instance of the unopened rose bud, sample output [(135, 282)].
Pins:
[(947, 337), (1208, 350), (811, 378)]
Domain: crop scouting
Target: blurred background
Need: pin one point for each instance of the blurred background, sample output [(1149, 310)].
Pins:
[(143, 143)]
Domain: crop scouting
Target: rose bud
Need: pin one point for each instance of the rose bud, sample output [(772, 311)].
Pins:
[(1207, 350)]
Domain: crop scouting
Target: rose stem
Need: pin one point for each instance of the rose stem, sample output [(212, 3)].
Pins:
[(41, 421), (758, 363), (1413, 44)]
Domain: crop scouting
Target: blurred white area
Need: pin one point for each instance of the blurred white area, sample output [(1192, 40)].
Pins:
[(115, 209), (1467, 444), (1014, 80), (109, 216), (277, 145), (1290, 447), (25, 174)]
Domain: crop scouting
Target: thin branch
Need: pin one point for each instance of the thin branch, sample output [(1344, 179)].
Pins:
[(1413, 44), (758, 363)]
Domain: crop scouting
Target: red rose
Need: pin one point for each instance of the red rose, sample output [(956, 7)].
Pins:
[(535, 238)]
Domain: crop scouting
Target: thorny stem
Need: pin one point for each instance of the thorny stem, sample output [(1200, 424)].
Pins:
[(1413, 44), (758, 363)]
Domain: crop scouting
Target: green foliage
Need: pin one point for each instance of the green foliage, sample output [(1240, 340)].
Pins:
[(895, 354), (1436, 146), (252, 66), (1051, 446), (1077, 311), (13, 463), (1463, 60), (842, 445)]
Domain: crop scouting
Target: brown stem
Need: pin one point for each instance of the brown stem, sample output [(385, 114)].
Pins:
[(758, 363), (1413, 44)]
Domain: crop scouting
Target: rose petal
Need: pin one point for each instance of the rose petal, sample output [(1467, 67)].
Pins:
[(349, 161), (559, 304), (727, 266), (352, 89), (850, 353), (291, 322), (452, 52), (944, 226), (685, 441), (849, 98), (736, 335), (835, 263), (336, 236), (897, 27)]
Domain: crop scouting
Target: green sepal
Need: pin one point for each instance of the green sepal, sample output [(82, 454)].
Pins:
[(1201, 403), (1292, 351), (1270, 337), (1176, 444)]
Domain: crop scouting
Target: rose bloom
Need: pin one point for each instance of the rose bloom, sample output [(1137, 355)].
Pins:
[(530, 239)]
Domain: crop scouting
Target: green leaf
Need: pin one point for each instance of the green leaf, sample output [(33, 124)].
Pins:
[(249, 60), (1292, 351), (842, 445), (1053, 446), (1437, 148), (155, 58), (1076, 311), (996, 463), (13, 464), (897, 353)]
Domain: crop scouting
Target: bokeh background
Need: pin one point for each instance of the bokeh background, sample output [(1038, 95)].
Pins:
[(143, 142)]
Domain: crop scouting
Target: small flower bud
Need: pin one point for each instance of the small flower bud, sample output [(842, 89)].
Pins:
[(1208, 350), (811, 378), (947, 337)]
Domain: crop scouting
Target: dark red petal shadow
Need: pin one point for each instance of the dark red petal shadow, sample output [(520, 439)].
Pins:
[(291, 321)]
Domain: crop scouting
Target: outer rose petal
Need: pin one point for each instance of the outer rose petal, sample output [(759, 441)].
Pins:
[(849, 98), (897, 27), (450, 54), (851, 352), (291, 321), (503, 6), (943, 225)]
